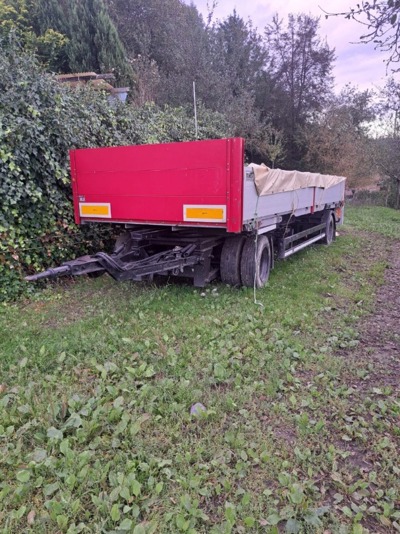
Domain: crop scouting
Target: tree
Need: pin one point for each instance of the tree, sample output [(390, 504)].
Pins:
[(94, 41), (337, 139), (166, 35), (237, 61), (76, 36), (387, 146), (381, 19), (389, 107), (301, 65), (387, 150), (335, 147), (274, 145), (148, 84), (224, 59), (20, 22), (193, 62), (238, 54), (359, 107)]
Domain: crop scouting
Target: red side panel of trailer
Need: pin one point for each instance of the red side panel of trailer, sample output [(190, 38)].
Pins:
[(197, 183)]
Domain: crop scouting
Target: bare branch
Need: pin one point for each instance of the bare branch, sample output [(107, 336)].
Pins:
[(382, 19)]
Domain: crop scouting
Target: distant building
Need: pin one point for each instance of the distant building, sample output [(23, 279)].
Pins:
[(97, 81)]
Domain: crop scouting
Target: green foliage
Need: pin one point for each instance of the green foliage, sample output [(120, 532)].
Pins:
[(171, 35), (19, 22), (337, 140), (277, 82), (94, 41), (40, 120), (68, 36), (301, 63), (238, 54), (97, 381)]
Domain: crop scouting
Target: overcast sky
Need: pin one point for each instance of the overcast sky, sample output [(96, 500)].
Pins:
[(358, 64)]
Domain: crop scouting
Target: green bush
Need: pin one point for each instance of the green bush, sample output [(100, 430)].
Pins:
[(40, 120), (386, 197), (369, 198)]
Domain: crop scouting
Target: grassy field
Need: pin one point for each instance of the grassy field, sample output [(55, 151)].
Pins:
[(97, 380)]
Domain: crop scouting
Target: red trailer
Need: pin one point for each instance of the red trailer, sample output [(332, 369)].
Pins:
[(193, 209)]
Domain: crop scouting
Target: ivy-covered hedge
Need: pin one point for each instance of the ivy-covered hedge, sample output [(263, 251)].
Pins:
[(40, 120)]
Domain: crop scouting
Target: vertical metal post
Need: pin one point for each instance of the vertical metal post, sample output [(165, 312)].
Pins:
[(195, 109)]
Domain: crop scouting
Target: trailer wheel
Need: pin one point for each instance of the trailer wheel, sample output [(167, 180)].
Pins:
[(256, 261), (231, 255), (330, 230)]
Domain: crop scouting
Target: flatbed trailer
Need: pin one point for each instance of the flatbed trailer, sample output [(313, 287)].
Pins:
[(193, 209)]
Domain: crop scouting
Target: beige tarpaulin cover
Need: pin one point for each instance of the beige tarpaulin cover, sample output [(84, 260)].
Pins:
[(269, 181)]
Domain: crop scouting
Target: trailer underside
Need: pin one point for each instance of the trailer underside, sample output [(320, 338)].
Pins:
[(245, 259)]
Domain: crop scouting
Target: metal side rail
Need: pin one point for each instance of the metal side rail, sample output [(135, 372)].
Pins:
[(287, 245), (174, 261)]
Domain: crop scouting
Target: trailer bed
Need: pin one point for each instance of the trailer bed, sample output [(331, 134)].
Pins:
[(268, 210), (189, 184)]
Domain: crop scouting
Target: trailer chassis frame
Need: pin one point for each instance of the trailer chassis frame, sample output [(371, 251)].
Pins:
[(144, 252)]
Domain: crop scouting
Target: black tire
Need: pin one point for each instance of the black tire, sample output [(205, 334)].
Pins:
[(256, 261), (231, 255), (330, 230)]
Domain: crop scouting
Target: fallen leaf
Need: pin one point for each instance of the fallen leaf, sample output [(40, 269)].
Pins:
[(31, 517)]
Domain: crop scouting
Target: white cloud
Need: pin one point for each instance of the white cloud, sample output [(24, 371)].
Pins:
[(358, 64)]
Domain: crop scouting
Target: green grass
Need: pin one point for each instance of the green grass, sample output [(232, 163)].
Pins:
[(384, 221), (98, 379)]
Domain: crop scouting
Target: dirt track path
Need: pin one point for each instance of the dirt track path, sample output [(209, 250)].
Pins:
[(380, 331), (378, 352)]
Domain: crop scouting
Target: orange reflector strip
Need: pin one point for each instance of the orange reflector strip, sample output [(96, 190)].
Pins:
[(205, 213), (95, 210)]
